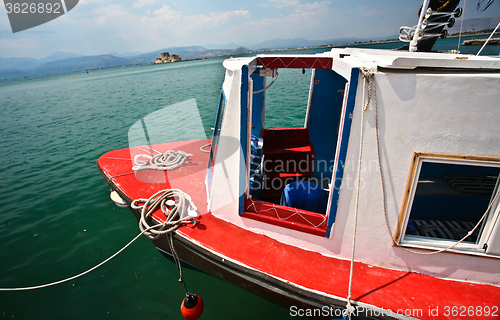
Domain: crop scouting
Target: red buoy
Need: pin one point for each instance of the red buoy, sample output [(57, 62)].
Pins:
[(192, 306)]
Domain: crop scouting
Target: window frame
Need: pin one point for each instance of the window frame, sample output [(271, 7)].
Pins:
[(349, 90), (488, 225)]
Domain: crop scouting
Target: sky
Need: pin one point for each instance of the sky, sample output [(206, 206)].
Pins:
[(96, 27)]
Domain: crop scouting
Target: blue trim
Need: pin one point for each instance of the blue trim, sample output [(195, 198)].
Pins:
[(243, 133), (346, 133), (324, 119), (257, 103)]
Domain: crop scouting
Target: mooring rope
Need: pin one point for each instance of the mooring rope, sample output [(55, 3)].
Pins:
[(178, 207), (176, 212), (202, 148), (175, 205), (368, 83), (169, 160), (369, 95), (78, 275)]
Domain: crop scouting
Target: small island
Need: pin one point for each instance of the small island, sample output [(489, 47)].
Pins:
[(165, 57)]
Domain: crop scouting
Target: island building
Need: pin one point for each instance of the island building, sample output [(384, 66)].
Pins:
[(165, 57)]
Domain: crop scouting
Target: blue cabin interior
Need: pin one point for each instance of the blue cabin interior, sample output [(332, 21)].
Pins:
[(284, 159)]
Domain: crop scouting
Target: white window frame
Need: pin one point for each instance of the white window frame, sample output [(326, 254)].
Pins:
[(490, 232)]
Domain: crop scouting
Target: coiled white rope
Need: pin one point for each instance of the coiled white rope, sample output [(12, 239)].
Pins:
[(169, 160), (177, 206), (175, 212)]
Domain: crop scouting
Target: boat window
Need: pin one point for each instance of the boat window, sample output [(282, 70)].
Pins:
[(215, 138), (451, 199), (292, 147)]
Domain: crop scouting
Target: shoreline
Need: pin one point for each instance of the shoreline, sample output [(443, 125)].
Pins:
[(329, 45), (455, 35)]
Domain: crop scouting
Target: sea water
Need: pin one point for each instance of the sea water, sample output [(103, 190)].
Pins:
[(56, 217)]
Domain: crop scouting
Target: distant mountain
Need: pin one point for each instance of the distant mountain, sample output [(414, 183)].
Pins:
[(474, 24), (126, 54), (27, 67), (60, 56), (17, 63), (285, 43), (62, 62), (228, 46), (30, 63), (219, 52), (80, 64)]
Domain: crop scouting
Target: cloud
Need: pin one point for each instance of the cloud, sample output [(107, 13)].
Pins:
[(166, 17), (281, 3), (366, 11), (304, 15), (215, 19), (112, 14), (11, 47), (163, 15), (143, 3), (146, 25), (314, 20)]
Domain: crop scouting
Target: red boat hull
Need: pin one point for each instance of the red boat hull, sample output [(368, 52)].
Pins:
[(286, 274)]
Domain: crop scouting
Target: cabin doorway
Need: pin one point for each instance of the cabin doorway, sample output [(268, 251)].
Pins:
[(295, 123)]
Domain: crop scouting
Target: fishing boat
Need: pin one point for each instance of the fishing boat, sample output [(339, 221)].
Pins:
[(384, 205)]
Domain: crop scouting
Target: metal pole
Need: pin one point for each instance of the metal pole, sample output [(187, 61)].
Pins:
[(414, 41)]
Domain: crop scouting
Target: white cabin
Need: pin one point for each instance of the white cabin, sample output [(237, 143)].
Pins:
[(436, 119)]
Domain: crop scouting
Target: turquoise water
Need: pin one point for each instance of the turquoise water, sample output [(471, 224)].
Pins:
[(57, 219)]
